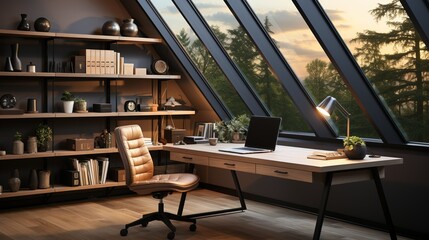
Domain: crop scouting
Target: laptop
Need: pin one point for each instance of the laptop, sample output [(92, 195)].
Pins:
[(261, 136)]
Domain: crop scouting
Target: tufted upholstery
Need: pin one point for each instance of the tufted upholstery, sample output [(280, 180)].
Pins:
[(139, 165)]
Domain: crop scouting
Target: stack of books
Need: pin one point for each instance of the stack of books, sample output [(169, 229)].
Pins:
[(91, 171), (96, 61), (148, 142)]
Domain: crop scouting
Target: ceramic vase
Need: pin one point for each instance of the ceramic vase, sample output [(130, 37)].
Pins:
[(14, 181), (42, 25), (8, 65), (129, 28), (111, 28), (18, 147), (24, 25), (34, 183), (44, 176), (16, 62), (32, 145)]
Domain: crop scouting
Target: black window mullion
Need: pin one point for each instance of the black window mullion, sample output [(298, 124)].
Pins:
[(219, 54), (290, 82), (418, 11), (176, 48), (349, 70)]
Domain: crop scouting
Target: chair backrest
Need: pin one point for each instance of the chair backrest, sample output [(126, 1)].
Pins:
[(135, 156)]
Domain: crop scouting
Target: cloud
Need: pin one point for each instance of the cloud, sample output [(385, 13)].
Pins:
[(226, 19), (302, 51)]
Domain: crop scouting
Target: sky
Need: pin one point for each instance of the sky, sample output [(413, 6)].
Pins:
[(296, 41)]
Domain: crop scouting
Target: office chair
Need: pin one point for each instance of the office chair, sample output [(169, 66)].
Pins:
[(141, 179)]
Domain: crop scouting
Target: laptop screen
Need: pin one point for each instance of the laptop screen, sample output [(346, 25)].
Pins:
[(263, 132)]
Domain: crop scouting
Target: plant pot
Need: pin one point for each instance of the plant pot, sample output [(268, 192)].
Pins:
[(81, 106), (14, 181), (358, 152), (42, 147), (18, 147), (68, 106), (44, 177)]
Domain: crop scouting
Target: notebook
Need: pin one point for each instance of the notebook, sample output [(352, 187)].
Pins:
[(261, 136)]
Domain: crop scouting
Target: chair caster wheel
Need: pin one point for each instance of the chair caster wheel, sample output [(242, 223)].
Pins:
[(193, 227), (171, 235), (124, 232), (144, 224)]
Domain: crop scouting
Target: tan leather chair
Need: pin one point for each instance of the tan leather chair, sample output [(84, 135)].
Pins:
[(140, 179)]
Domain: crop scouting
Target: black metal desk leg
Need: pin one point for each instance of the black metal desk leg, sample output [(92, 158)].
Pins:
[(182, 204), (238, 189), (383, 202), (322, 208)]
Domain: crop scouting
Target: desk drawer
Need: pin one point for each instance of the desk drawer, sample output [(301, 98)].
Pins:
[(286, 173), (232, 165), (189, 158)]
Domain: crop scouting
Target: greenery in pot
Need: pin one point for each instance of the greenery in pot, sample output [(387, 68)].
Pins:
[(67, 96), (44, 135), (352, 141), (80, 104), (237, 125), (17, 136)]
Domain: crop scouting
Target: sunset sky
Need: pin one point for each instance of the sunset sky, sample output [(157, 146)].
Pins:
[(296, 42)]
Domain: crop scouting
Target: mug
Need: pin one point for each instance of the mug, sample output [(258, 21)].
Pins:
[(213, 141)]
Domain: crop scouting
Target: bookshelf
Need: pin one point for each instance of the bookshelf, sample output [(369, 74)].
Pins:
[(49, 113)]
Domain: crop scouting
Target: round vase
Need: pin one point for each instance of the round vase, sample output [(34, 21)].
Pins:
[(16, 62), (18, 147), (111, 28), (129, 28), (44, 176), (34, 183), (14, 181), (358, 152), (42, 25), (24, 25)]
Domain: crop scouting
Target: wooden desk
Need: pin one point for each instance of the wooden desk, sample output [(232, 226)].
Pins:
[(290, 163)]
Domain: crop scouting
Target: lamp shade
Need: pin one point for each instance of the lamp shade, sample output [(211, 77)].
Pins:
[(326, 107)]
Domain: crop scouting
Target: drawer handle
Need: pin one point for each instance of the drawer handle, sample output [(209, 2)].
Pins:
[(281, 172), (187, 158), (229, 164)]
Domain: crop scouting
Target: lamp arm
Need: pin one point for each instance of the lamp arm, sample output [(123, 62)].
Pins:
[(343, 110)]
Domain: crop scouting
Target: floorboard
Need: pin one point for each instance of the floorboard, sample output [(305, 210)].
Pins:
[(102, 219)]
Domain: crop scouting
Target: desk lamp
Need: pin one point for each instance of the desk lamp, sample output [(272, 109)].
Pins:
[(327, 106)]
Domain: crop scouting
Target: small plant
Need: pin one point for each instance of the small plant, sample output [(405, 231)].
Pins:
[(67, 96), (43, 134), (79, 99), (17, 136), (352, 141), (225, 129)]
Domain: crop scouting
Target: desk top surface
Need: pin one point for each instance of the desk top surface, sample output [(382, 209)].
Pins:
[(284, 156)]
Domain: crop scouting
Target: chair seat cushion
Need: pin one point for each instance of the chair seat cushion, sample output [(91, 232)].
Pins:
[(179, 182)]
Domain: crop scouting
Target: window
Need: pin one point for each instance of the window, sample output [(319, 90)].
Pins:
[(310, 63), (393, 57), (201, 57)]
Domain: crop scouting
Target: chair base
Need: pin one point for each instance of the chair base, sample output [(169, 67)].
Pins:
[(165, 217)]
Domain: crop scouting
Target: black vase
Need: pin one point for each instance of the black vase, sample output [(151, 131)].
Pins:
[(8, 65), (42, 25), (129, 28), (111, 28), (16, 62), (24, 25), (34, 183)]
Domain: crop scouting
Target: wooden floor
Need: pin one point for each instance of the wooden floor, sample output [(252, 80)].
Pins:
[(102, 219)]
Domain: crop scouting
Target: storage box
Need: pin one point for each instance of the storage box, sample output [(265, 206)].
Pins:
[(174, 135), (79, 64), (140, 71), (80, 144), (70, 178), (128, 68), (117, 174), (102, 107)]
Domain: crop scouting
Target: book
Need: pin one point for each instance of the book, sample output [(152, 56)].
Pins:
[(104, 163)]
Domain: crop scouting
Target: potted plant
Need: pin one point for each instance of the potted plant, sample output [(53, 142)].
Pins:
[(18, 145), (354, 147), (44, 135), (232, 130), (68, 101), (80, 105)]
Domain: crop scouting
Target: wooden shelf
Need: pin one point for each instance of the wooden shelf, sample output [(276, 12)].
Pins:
[(119, 39), (84, 75), (69, 153), (59, 188), (97, 114)]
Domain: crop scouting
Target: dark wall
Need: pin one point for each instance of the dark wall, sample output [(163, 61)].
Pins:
[(406, 186)]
